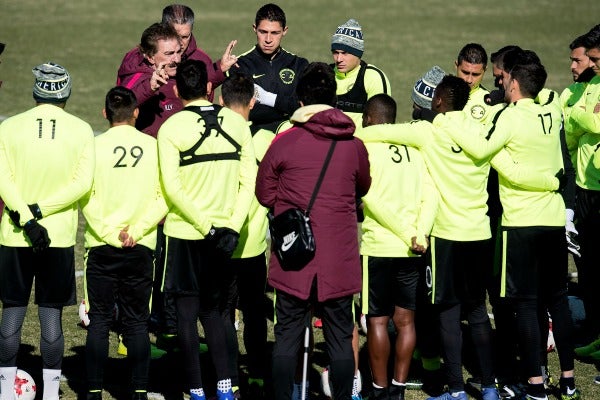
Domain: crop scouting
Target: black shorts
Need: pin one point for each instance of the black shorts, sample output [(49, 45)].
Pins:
[(389, 282), (194, 268), (121, 276), (53, 269), (457, 271), (534, 262)]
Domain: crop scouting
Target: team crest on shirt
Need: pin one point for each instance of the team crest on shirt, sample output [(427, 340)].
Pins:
[(287, 76), (477, 111)]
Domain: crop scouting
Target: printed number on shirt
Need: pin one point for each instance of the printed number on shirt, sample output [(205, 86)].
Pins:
[(135, 152), (397, 153), (41, 127), (546, 120)]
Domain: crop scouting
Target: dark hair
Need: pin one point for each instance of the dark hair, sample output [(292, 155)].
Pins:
[(531, 78), (317, 85), (473, 53), (238, 89), (497, 58), (177, 14), (154, 33), (591, 39), (383, 106), (119, 104), (191, 79), (454, 92), (579, 41), (270, 12)]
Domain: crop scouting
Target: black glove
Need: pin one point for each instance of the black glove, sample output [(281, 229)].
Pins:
[(424, 114), (37, 234), (495, 97), (35, 210), (15, 217), (562, 179), (225, 240)]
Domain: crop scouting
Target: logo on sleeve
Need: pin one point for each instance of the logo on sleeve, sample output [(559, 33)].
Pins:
[(287, 76)]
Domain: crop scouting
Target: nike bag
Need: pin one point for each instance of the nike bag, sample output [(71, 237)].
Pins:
[(292, 239)]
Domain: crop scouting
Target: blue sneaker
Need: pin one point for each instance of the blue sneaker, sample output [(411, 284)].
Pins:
[(490, 393), (357, 397), (194, 396), (462, 395), (225, 395)]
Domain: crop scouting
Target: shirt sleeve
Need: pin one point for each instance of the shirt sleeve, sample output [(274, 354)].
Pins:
[(522, 176), (10, 193), (411, 134), (245, 193), (429, 208), (157, 209), (267, 178), (81, 182), (587, 120)]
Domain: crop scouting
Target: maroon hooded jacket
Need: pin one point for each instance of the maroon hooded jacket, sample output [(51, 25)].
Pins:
[(156, 106), (286, 178)]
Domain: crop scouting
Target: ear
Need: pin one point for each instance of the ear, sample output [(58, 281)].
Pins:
[(252, 103), (208, 88), (136, 113), (254, 27), (284, 31), (221, 102), (104, 113), (176, 91), (455, 64)]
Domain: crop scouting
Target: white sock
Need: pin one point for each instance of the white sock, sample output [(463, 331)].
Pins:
[(7, 383), (51, 383), (224, 385)]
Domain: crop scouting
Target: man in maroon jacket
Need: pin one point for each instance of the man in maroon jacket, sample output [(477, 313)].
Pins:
[(147, 68), (286, 179)]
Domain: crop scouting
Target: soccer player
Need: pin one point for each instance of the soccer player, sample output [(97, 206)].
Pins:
[(275, 70), (356, 80), (534, 259), (460, 238), (46, 165), (583, 129), (208, 169), (471, 64), (286, 178), (247, 268), (122, 211), (402, 195)]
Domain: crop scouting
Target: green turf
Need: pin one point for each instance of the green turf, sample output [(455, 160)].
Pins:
[(403, 38)]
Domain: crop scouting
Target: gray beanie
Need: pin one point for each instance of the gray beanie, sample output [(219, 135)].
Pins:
[(422, 93), (349, 38), (52, 83)]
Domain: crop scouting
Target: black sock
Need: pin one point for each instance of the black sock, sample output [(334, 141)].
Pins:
[(536, 390), (566, 383)]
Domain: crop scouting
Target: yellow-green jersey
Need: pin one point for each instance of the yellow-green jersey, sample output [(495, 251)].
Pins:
[(401, 203), (208, 179), (253, 235), (354, 88), (568, 98), (584, 128), (478, 109), (46, 157), (126, 191), (530, 134)]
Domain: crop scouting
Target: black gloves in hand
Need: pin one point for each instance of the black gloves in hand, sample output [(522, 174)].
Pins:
[(494, 97), (562, 179), (424, 114), (225, 240), (35, 210), (37, 234), (15, 217)]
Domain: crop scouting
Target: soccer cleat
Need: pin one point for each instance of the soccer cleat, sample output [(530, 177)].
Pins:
[(530, 397), (228, 395), (396, 392), (196, 396), (490, 393), (511, 391), (586, 351), (462, 395), (379, 394), (357, 397), (571, 394)]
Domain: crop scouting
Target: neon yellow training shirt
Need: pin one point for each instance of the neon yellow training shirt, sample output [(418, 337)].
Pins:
[(204, 194), (46, 157), (126, 189)]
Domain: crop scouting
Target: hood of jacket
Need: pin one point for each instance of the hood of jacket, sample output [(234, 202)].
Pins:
[(134, 62), (325, 121)]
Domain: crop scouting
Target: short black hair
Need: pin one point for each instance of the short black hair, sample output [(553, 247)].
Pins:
[(383, 106), (317, 85), (191, 79), (473, 53), (453, 91), (579, 41), (497, 57), (238, 89), (270, 12), (119, 104), (591, 39)]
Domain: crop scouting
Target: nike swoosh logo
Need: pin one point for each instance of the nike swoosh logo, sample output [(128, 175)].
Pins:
[(254, 76), (286, 246)]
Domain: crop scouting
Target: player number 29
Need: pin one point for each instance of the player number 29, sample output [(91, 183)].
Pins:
[(135, 152)]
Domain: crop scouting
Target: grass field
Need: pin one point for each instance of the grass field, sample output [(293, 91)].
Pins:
[(403, 38)]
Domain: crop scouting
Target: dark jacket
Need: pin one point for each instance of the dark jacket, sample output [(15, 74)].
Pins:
[(286, 178), (156, 106)]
